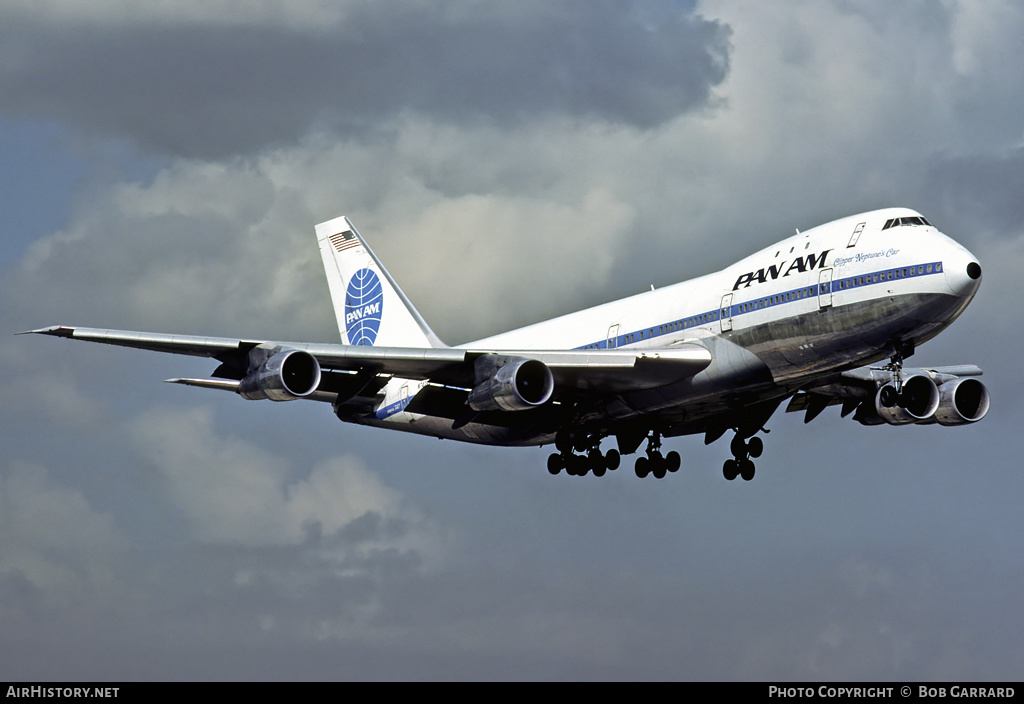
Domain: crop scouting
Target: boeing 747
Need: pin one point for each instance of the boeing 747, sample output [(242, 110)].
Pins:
[(824, 317)]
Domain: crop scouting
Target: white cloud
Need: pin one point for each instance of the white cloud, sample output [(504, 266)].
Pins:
[(233, 492), (493, 261), (228, 248), (52, 537)]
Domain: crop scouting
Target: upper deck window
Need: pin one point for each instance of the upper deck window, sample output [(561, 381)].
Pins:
[(901, 222)]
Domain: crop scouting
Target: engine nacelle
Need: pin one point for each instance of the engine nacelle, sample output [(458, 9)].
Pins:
[(510, 384), (282, 376), (962, 401), (918, 401)]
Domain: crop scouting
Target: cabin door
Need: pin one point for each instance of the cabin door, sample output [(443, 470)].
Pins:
[(613, 337), (825, 288)]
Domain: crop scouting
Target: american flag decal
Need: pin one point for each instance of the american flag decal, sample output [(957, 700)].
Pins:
[(344, 240)]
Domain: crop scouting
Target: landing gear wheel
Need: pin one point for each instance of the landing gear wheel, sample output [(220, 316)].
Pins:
[(673, 461), (746, 470), (658, 466), (642, 467), (655, 463), (888, 396), (742, 451), (738, 447), (730, 469), (612, 459), (580, 454)]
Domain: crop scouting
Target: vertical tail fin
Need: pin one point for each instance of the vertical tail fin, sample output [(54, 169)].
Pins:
[(370, 307)]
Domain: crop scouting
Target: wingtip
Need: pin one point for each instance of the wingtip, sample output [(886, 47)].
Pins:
[(57, 330)]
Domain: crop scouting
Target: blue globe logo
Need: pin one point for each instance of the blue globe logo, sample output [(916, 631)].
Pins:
[(364, 301)]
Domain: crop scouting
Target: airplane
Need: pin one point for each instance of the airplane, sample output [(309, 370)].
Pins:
[(807, 319)]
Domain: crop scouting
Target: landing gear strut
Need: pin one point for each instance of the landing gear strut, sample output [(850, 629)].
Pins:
[(580, 464), (892, 394), (654, 463), (741, 464)]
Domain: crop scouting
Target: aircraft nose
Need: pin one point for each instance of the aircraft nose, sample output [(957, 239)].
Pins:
[(963, 274)]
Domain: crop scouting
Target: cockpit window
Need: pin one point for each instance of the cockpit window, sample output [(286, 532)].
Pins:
[(902, 222)]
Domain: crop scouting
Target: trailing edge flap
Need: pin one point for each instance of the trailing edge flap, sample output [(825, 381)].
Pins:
[(599, 371)]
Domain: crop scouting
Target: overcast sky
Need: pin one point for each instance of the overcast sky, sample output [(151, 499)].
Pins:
[(163, 165)]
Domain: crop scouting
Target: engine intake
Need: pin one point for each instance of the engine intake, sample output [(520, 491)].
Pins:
[(281, 376), (510, 384), (961, 402), (918, 401)]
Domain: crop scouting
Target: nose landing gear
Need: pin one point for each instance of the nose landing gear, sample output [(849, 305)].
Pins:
[(892, 394)]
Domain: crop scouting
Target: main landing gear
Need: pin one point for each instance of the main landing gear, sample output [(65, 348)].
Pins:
[(741, 464), (580, 454), (589, 459), (654, 463)]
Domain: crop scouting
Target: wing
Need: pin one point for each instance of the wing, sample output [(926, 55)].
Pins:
[(948, 395), (486, 379)]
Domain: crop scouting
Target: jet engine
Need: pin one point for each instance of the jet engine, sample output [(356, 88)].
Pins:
[(962, 401), (283, 375), (917, 402), (510, 384)]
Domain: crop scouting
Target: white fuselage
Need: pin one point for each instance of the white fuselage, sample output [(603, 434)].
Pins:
[(825, 300)]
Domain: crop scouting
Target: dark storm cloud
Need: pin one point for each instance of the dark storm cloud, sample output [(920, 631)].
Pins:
[(208, 91), (981, 192)]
